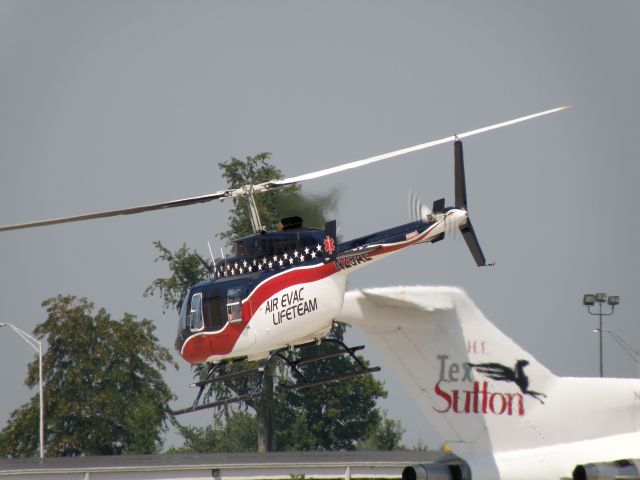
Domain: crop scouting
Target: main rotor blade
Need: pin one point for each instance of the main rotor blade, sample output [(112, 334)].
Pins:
[(396, 153), (250, 189), (471, 239), (124, 211)]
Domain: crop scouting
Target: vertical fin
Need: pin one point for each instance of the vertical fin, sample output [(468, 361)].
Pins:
[(473, 384)]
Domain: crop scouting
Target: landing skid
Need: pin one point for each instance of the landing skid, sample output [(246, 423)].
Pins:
[(303, 382), (216, 374)]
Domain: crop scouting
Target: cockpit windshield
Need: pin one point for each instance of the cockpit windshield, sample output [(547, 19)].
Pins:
[(196, 322), (182, 322), (211, 307)]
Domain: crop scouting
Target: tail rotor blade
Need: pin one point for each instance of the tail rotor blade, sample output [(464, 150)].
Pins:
[(413, 206), (471, 239), (460, 184), (418, 211)]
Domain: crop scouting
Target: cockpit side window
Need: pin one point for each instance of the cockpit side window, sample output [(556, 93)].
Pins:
[(248, 248), (196, 322), (283, 245), (234, 305), (241, 250)]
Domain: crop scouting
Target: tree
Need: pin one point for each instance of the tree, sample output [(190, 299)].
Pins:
[(237, 434), (330, 417), (104, 394), (387, 436), (272, 206), (188, 267)]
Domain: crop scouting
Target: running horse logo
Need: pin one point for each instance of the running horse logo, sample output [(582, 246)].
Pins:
[(502, 373)]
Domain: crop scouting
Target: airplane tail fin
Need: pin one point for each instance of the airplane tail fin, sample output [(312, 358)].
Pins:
[(473, 383)]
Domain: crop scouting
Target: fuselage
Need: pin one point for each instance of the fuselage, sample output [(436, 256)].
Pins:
[(285, 288)]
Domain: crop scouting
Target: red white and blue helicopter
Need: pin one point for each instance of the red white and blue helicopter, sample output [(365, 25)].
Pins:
[(282, 288)]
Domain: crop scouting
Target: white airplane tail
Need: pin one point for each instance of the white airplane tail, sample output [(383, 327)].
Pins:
[(482, 392)]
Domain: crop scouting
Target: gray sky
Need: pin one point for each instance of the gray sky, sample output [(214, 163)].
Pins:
[(114, 104)]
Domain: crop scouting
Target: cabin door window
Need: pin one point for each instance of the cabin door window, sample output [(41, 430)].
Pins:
[(234, 305), (196, 322)]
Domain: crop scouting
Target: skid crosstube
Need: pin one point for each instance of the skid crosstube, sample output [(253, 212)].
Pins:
[(316, 383), (227, 376), (216, 374), (218, 403)]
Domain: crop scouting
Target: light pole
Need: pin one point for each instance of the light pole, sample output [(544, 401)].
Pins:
[(37, 346), (589, 300)]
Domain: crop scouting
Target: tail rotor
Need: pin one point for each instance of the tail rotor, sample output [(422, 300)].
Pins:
[(418, 211), (467, 230)]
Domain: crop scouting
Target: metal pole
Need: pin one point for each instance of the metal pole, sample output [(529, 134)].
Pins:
[(601, 360), (37, 346), (41, 402)]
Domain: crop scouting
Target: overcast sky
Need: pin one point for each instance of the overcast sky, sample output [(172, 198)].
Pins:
[(113, 104)]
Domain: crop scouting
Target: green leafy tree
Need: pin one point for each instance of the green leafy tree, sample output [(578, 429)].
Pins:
[(273, 205), (104, 393), (387, 436), (236, 434), (420, 446), (330, 417), (188, 267)]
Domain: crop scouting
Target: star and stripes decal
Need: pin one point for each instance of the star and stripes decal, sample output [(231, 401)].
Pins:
[(272, 262)]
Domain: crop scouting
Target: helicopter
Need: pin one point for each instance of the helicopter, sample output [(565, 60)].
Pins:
[(281, 289)]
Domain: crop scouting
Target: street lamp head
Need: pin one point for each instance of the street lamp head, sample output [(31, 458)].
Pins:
[(589, 299), (613, 300), (601, 297), (3, 324)]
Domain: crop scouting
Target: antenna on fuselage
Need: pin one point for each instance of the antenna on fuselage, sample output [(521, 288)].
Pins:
[(213, 260)]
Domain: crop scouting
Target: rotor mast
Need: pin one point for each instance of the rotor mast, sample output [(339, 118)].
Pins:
[(254, 216)]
